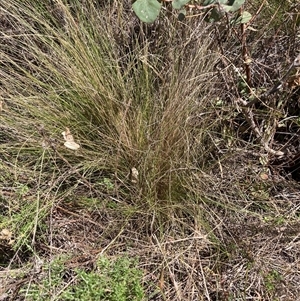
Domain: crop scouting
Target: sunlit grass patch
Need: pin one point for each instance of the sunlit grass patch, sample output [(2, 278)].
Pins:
[(126, 109), (120, 138)]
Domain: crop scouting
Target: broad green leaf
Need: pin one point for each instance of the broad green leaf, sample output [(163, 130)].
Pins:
[(233, 5), (147, 10), (237, 4), (226, 8), (208, 2), (178, 4), (245, 17)]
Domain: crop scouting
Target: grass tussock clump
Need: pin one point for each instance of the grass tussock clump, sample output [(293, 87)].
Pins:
[(130, 107), (117, 138)]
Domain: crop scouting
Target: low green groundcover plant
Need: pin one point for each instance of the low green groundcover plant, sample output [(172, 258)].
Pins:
[(118, 280)]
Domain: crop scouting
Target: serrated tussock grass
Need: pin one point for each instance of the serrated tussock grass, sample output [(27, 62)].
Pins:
[(130, 103), (168, 170)]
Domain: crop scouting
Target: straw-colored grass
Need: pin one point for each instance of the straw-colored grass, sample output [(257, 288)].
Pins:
[(160, 173), (141, 113)]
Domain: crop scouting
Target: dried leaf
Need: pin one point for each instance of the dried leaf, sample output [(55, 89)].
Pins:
[(67, 135), (296, 62), (5, 234), (70, 143), (293, 81), (264, 176), (134, 175)]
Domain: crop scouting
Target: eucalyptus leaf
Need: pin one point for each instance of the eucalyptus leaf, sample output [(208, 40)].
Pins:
[(147, 10), (245, 17), (233, 5), (208, 2), (178, 4), (226, 8)]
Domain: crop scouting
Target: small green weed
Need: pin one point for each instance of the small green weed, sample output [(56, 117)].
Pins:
[(118, 280), (271, 280), (108, 184)]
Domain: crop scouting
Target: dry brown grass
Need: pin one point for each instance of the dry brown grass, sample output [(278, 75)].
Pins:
[(208, 216)]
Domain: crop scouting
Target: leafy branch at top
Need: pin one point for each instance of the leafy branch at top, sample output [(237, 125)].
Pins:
[(148, 10)]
